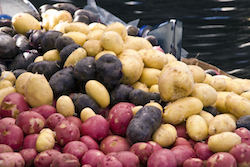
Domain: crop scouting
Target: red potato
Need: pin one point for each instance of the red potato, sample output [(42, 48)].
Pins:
[(181, 141), (29, 141), (53, 120), (96, 126), (241, 153), (86, 165), (45, 110), (76, 148), (30, 122), (5, 148), (75, 120), (192, 142), (58, 147), (114, 143), (244, 133), (11, 159), (221, 159), (193, 162), (66, 132), (182, 153), (119, 117), (12, 135), (13, 104), (202, 151), (28, 155), (45, 158), (104, 112), (65, 160), (143, 150), (155, 146), (90, 142), (182, 131), (6, 121), (163, 158), (110, 161), (93, 157), (127, 158)]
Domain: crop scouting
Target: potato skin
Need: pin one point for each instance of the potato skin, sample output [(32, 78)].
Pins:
[(65, 106), (150, 76), (176, 112), (197, 128), (114, 143), (45, 140), (175, 81), (241, 153), (223, 142), (163, 157), (198, 73), (216, 161), (12, 159)]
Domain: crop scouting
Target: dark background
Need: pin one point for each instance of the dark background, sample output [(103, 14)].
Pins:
[(216, 30)]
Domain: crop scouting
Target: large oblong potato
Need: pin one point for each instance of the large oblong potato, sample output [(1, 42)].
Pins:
[(23, 22), (179, 110), (206, 93), (75, 57), (132, 66), (175, 81), (237, 105), (111, 40), (197, 128), (38, 91), (78, 27)]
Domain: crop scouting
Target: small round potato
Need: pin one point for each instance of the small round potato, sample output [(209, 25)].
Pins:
[(86, 113), (165, 135), (223, 142), (23, 22), (246, 94), (8, 75), (45, 140), (21, 81), (79, 37), (93, 47), (65, 106), (96, 34), (98, 92), (51, 55), (198, 73), (119, 28), (78, 27), (150, 76), (244, 82), (38, 58), (111, 40), (197, 128), (206, 93), (154, 104), (5, 83), (140, 85), (154, 88), (97, 26)]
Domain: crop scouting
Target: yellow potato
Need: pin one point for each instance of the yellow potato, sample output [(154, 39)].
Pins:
[(65, 106), (5, 91), (51, 55), (78, 27), (198, 73), (111, 40), (86, 113), (206, 116), (237, 105), (96, 34), (179, 110), (96, 26), (5, 83), (45, 140), (154, 104), (79, 37), (119, 28), (244, 82), (175, 81), (23, 22), (165, 135), (104, 52), (154, 88), (137, 43), (171, 57), (221, 123), (223, 142), (197, 128), (93, 47), (140, 85), (135, 109), (246, 94), (220, 102), (232, 116), (208, 79), (98, 92), (47, 18), (38, 58), (60, 27), (21, 81), (154, 58), (8, 75), (234, 86), (206, 93), (38, 91), (219, 83), (132, 66), (75, 56), (150, 76)]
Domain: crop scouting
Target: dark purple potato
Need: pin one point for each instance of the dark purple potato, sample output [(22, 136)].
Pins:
[(132, 30), (49, 38), (18, 72), (5, 22), (109, 71), (243, 121), (120, 94), (8, 49), (22, 42), (81, 18), (45, 7), (152, 39), (8, 30), (212, 110), (85, 69), (66, 6), (139, 97), (92, 17), (63, 41), (35, 37)]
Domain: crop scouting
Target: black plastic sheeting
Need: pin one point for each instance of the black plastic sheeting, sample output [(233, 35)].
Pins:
[(217, 31)]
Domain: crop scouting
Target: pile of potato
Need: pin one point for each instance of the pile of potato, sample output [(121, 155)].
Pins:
[(75, 92)]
